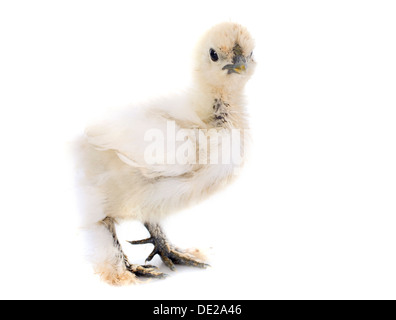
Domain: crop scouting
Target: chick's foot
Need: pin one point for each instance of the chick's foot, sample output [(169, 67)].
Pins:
[(122, 271), (169, 254), (146, 271)]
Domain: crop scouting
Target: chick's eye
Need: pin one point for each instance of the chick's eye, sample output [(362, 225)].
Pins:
[(213, 55)]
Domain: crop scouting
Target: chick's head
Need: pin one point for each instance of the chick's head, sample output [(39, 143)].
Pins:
[(224, 57)]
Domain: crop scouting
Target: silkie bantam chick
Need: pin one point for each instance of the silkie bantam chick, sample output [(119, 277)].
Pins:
[(155, 159)]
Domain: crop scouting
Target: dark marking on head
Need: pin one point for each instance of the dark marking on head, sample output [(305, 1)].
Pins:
[(237, 50)]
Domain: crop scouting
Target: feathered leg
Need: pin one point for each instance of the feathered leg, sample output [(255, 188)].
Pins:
[(111, 262), (169, 254)]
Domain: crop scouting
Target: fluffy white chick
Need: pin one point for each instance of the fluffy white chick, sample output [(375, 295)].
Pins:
[(118, 182)]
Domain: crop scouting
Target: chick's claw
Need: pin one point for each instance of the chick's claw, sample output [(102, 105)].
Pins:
[(183, 258), (146, 271), (169, 254)]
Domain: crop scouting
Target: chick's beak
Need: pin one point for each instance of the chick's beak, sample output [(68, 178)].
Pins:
[(239, 65)]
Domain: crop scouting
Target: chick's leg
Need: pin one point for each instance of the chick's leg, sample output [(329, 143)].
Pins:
[(169, 254), (138, 270)]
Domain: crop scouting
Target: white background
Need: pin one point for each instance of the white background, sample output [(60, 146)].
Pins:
[(313, 215)]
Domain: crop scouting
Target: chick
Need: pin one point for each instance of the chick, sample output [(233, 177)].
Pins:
[(118, 182)]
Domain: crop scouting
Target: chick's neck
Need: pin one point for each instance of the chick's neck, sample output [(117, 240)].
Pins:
[(212, 103)]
